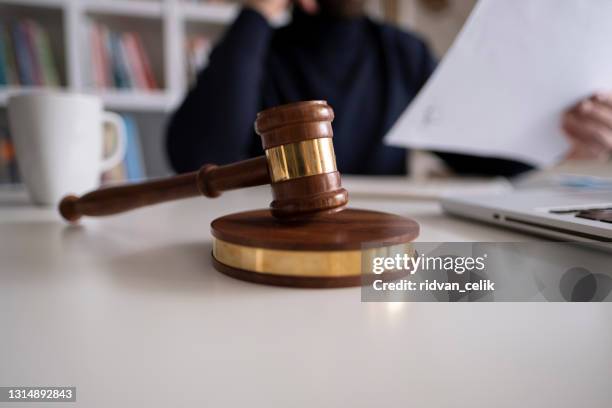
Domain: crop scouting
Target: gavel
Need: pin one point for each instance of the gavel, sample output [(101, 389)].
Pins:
[(299, 164)]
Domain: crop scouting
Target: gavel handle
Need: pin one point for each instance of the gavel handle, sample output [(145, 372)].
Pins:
[(210, 181)]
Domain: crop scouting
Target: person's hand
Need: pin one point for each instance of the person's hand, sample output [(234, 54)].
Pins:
[(588, 126), (273, 9)]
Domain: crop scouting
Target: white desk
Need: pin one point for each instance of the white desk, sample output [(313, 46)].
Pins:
[(130, 311)]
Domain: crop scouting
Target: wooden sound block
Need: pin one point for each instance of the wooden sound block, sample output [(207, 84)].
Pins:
[(323, 252)]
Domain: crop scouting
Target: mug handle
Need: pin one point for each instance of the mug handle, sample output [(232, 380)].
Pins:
[(121, 146)]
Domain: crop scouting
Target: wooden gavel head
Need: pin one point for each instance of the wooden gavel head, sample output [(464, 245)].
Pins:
[(297, 139), (299, 164)]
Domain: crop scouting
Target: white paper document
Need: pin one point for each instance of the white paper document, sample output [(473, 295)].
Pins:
[(504, 84)]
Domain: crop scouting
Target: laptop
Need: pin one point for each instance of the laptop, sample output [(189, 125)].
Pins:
[(577, 216)]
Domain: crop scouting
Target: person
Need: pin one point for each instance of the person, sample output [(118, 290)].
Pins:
[(367, 71)]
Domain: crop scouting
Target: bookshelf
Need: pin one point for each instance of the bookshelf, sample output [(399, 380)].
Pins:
[(163, 26)]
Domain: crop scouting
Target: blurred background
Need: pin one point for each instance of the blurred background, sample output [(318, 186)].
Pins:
[(140, 57)]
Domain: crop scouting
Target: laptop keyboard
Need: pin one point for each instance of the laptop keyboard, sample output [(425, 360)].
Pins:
[(594, 214)]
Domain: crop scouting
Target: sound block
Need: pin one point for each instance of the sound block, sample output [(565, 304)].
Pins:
[(327, 251)]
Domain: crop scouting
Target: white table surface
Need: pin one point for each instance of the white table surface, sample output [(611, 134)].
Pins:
[(130, 311)]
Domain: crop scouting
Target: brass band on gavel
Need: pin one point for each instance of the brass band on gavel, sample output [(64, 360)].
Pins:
[(302, 159)]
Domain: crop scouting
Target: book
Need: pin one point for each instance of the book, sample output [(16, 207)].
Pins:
[(29, 30), (148, 70), (8, 162), (10, 67), (120, 70), (136, 67), (26, 56), (119, 60), (106, 56), (130, 61), (5, 176), (45, 56), (25, 64), (134, 164), (95, 56), (3, 64)]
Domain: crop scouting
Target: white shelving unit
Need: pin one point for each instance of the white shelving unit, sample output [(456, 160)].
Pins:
[(163, 24)]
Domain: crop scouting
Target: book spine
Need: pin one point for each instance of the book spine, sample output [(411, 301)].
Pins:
[(3, 60), (12, 72), (94, 56), (114, 63), (5, 175), (128, 66), (150, 76), (133, 158), (46, 57), (135, 63), (119, 67), (8, 161), (24, 61), (36, 67), (106, 60), (95, 50)]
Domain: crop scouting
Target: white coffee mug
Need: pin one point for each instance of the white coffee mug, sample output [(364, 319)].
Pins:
[(58, 140)]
